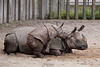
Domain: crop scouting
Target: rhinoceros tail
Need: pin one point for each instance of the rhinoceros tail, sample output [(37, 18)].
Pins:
[(8, 34)]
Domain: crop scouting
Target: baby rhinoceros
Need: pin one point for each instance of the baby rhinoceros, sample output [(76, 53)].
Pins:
[(39, 39), (74, 40)]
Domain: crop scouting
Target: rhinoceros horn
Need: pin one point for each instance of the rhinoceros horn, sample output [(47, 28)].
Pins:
[(58, 27), (81, 28), (61, 25), (74, 30)]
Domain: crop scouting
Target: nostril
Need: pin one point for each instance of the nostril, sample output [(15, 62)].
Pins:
[(83, 46)]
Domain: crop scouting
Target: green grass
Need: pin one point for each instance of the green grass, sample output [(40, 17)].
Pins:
[(71, 14), (47, 16), (80, 14), (63, 14), (88, 14), (97, 15)]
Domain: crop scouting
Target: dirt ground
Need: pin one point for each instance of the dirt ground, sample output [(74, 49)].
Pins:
[(79, 58)]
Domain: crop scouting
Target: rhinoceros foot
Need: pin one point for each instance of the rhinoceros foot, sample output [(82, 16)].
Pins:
[(55, 52), (40, 55)]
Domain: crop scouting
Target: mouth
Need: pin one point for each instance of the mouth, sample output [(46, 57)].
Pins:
[(82, 48)]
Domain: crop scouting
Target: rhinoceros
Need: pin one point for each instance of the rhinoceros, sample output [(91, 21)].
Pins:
[(16, 41), (74, 40)]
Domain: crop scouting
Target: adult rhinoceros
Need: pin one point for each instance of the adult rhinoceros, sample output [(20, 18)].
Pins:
[(16, 40)]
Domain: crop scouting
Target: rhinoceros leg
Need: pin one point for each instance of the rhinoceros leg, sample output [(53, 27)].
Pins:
[(36, 45), (10, 43), (55, 52), (48, 45)]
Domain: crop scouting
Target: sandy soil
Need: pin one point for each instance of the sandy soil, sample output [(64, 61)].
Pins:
[(86, 58)]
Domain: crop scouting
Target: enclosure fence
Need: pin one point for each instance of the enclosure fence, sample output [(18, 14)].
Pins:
[(13, 10)]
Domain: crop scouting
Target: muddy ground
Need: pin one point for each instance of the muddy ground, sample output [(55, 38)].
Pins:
[(85, 58)]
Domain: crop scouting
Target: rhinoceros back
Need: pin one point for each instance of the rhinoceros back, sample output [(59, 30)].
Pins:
[(21, 34)]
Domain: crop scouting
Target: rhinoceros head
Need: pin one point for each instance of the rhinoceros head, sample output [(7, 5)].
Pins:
[(75, 40)]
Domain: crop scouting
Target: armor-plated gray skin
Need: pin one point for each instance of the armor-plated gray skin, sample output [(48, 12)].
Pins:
[(40, 39), (16, 40)]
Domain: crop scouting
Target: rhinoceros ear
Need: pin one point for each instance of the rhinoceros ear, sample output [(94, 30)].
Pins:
[(56, 23), (74, 30), (55, 28), (61, 25), (81, 28)]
